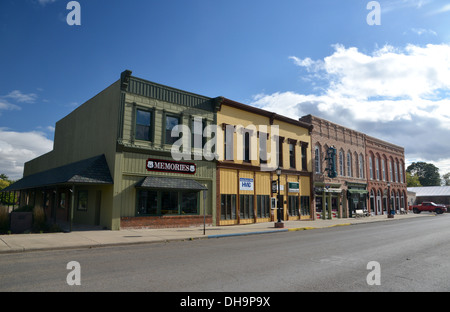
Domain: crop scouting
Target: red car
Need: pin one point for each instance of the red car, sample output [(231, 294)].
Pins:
[(429, 206)]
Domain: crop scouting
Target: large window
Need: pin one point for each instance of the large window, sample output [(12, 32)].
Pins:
[(173, 202), (246, 206), (293, 205), (144, 122), (228, 207), (171, 122), (263, 206), (189, 204), (147, 202), (304, 206), (82, 202)]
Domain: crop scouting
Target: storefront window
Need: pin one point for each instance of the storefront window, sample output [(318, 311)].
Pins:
[(155, 202), (189, 203), (246, 206), (82, 200), (304, 206), (263, 206), (148, 203), (293, 205), (169, 203), (228, 207)]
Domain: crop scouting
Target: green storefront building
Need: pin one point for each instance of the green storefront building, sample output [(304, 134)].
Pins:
[(111, 164)]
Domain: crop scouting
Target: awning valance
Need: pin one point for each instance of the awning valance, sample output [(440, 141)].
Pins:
[(170, 183)]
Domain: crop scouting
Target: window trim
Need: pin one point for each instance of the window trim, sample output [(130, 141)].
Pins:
[(152, 123)]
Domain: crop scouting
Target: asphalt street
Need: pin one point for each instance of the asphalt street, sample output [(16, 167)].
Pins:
[(412, 255)]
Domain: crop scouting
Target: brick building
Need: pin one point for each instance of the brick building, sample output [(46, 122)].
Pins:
[(385, 175), (340, 196)]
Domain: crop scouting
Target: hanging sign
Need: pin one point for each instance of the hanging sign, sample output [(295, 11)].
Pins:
[(170, 166)]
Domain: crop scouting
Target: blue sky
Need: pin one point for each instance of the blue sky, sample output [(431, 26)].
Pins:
[(292, 57)]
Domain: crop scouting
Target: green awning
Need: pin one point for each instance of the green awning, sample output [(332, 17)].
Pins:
[(362, 192)]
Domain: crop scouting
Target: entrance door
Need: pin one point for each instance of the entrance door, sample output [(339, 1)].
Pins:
[(379, 203)]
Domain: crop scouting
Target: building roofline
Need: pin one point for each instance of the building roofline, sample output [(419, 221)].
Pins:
[(263, 112)]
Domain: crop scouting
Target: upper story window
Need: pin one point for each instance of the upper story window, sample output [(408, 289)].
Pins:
[(361, 166), (170, 122), (144, 125), (292, 155), (304, 156), (349, 164), (317, 159), (341, 163), (246, 146)]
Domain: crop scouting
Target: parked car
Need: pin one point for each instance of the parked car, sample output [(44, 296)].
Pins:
[(429, 206)]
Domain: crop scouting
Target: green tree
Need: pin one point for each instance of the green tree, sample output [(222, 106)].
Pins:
[(4, 181), (446, 179), (428, 174), (412, 181)]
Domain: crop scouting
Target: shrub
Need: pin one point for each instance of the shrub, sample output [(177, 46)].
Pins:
[(39, 223), (4, 220)]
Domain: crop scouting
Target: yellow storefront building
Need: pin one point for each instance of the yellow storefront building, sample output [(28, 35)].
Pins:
[(255, 143)]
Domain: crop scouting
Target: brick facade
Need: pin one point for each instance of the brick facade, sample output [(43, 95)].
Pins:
[(163, 222), (385, 171), (350, 164)]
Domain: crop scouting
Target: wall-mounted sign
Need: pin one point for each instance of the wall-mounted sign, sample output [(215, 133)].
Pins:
[(275, 188), (170, 166), (294, 187), (245, 184)]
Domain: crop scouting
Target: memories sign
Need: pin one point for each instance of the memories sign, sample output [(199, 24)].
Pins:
[(170, 166)]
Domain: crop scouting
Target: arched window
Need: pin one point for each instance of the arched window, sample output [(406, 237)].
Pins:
[(349, 164), (361, 166), (377, 168), (317, 159), (371, 167), (341, 163), (383, 169)]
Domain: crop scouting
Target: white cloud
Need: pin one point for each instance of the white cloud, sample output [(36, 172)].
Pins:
[(5, 105), (20, 97), (16, 148), (400, 95), (45, 2), (443, 9), (422, 31)]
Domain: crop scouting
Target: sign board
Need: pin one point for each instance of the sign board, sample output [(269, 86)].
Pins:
[(274, 186), (170, 166), (294, 187), (245, 184)]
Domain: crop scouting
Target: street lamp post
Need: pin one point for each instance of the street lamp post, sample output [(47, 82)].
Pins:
[(279, 223)]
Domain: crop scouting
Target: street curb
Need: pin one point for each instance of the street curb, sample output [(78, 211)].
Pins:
[(247, 233)]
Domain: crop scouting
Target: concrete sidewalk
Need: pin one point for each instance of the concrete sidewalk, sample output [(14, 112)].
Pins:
[(101, 238)]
